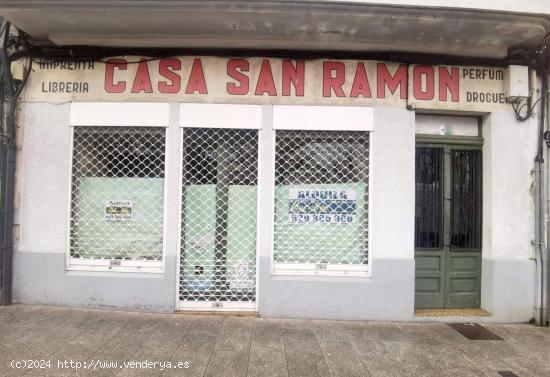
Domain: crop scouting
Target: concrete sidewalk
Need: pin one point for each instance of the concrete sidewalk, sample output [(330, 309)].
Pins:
[(215, 346)]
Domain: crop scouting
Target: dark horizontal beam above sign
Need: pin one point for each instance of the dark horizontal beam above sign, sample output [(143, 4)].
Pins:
[(283, 25)]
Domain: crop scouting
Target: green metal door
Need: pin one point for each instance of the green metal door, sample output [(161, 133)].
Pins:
[(448, 227)]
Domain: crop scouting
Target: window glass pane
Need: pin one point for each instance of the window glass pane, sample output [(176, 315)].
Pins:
[(218, 252), (321, 197), (117, 204), (429, 198), (466, 199), (446, 125)]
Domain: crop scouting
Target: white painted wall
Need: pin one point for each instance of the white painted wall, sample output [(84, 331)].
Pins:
[(392, 180), (44, 184), (508, 204), (508, 270)]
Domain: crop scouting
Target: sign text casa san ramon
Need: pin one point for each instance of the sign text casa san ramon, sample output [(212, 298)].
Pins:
[(269, 81)]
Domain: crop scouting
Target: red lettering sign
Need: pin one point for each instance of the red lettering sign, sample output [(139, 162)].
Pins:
[(196, 82), (360, 85), (166, 70), (419, 93), (234, 69), (384, 78), (449, 81), (142, 81), (294, 75), (265, 80), (110, 85), (333, 82)]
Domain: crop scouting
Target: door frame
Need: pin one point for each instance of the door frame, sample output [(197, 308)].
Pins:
[(448, 143)]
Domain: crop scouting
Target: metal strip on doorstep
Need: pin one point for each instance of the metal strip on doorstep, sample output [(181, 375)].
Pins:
[(475, 331)]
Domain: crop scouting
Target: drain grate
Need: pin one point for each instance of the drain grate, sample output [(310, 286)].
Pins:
[(506, 373), (474, 331)]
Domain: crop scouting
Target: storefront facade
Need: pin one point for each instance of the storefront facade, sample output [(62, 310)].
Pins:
[(322, 188), (347, 160)]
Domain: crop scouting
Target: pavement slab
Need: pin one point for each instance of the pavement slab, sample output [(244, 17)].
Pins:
[(93, 342), (267, 358)]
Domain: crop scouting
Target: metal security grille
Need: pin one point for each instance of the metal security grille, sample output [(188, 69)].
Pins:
[(321, 197), (117, 201), (220, 177), (429, 198), (466, 199)]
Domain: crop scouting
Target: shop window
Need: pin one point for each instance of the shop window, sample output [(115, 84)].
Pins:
[(117, 201), (321, 199)]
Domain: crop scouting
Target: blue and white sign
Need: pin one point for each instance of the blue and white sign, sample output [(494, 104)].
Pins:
[(307, 206)]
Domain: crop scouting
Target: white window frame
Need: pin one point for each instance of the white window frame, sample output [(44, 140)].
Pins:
[(227, 116), (212, 115), (322, 118), (117, 114)]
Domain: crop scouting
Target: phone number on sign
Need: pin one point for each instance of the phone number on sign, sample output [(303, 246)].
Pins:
[(321, 219)]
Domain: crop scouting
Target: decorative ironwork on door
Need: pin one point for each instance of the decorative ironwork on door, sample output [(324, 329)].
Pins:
[(466, 199), (429, 198)]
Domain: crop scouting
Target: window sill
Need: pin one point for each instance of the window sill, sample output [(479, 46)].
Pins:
[(328, 270), (101, 265)]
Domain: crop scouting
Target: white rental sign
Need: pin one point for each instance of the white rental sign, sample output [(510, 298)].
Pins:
[(322, 206), (119, 210)]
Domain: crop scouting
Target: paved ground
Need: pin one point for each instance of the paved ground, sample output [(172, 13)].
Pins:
[(216, 346)]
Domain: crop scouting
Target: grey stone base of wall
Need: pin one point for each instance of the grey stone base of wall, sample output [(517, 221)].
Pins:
[(508, 289), (40, 278), (387, 295)]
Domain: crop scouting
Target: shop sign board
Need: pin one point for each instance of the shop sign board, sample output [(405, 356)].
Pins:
[(457, 88), (322, 206), (269, 81)]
